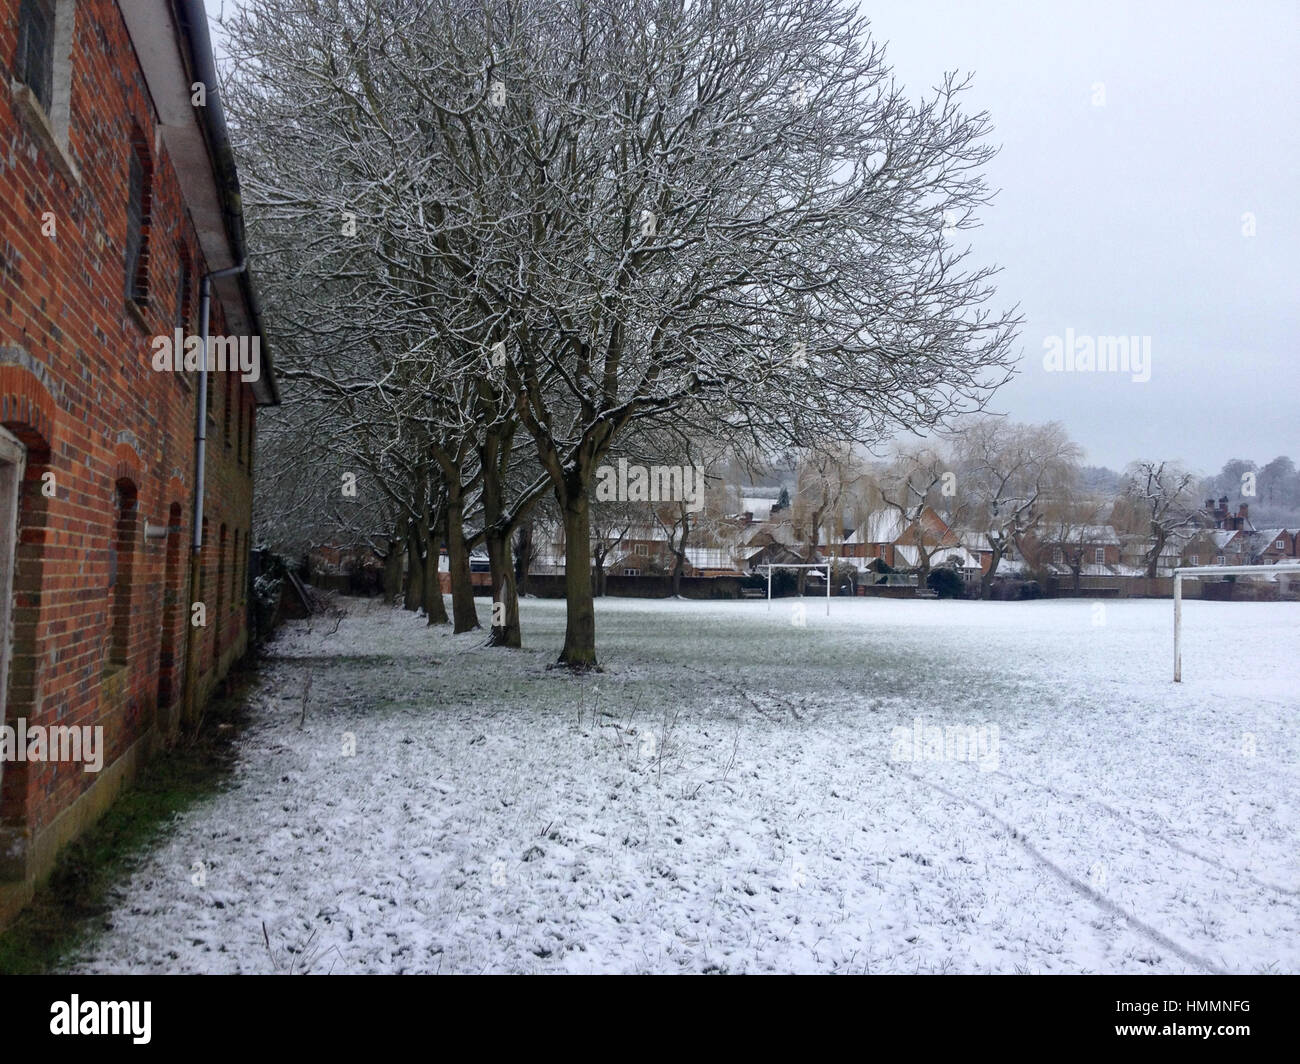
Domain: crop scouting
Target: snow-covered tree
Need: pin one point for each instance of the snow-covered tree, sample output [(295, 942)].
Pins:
[(1006, 474), (1162, 497), (605, 213)]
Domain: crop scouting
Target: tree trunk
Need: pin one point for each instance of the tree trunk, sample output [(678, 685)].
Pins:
[(505, 598), (523, 556), (922, 568), (986, 580), (435, 609), (414, 570), (1153, 563), (580, 628), (393, 563), (679, 566), (463, 614), (494, 456)]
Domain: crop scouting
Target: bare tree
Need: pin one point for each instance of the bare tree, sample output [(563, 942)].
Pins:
[(605, 213), (1163, 497), (1006, 472), (911, 487), (611, 523), (829, 477), (1073, 526)]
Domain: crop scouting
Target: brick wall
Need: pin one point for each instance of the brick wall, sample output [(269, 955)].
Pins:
[(100, 620)]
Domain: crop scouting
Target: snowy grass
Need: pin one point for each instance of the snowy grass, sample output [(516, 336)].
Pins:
[(729, 795)]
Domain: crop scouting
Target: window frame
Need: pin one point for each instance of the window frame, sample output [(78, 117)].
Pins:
[(121, 572), (13, 466), (49, 10)]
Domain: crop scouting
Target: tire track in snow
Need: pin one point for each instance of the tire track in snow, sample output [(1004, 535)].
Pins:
[(1078, 885), (1152, 834), (1098, 899)]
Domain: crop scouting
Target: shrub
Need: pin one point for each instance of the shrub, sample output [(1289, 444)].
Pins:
[(945, 582)]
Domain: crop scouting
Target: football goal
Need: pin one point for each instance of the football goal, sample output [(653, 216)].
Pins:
[(825, 567), (1197, 573)]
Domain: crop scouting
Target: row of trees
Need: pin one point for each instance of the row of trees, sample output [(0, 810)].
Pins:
[(1272, 490), (1001, 483), (501, 242), (991, 476)]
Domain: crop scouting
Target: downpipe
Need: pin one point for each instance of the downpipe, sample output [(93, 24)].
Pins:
[(200, 486)]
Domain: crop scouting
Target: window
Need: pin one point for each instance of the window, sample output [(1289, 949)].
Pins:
[(631, 572), (12, 458), (1195, 559), (1218, 559), (138, 200), (1099, 556), (36, 49), (218, 618), (1058, 556), (42, 75), (121, 562), (641, 549), (171, 610), (230, 402), (1280, 544)]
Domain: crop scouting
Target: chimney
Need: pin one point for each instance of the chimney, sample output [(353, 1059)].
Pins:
[(1243, 511)]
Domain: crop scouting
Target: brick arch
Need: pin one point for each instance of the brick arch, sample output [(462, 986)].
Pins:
[(126, 464), (175, 492), (27, 409)]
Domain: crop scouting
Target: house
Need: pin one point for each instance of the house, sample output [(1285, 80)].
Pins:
[(898, 542), (1217, 515), (978, 547), (125, 465), (1231, 547), (1063, 549), (1270, 546)]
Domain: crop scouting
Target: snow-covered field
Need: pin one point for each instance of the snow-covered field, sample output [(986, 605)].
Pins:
[(737, 793)]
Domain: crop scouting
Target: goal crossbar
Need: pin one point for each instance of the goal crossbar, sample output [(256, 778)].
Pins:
[(1196, 571), (769, 566)]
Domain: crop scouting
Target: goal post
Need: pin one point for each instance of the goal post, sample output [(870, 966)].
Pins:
[(827, 566), (1211, 570)]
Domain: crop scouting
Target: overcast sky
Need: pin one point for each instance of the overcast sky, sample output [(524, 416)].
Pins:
[(1125, 216)]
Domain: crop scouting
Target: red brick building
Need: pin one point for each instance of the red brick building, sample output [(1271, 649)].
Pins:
[(118, 201)]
